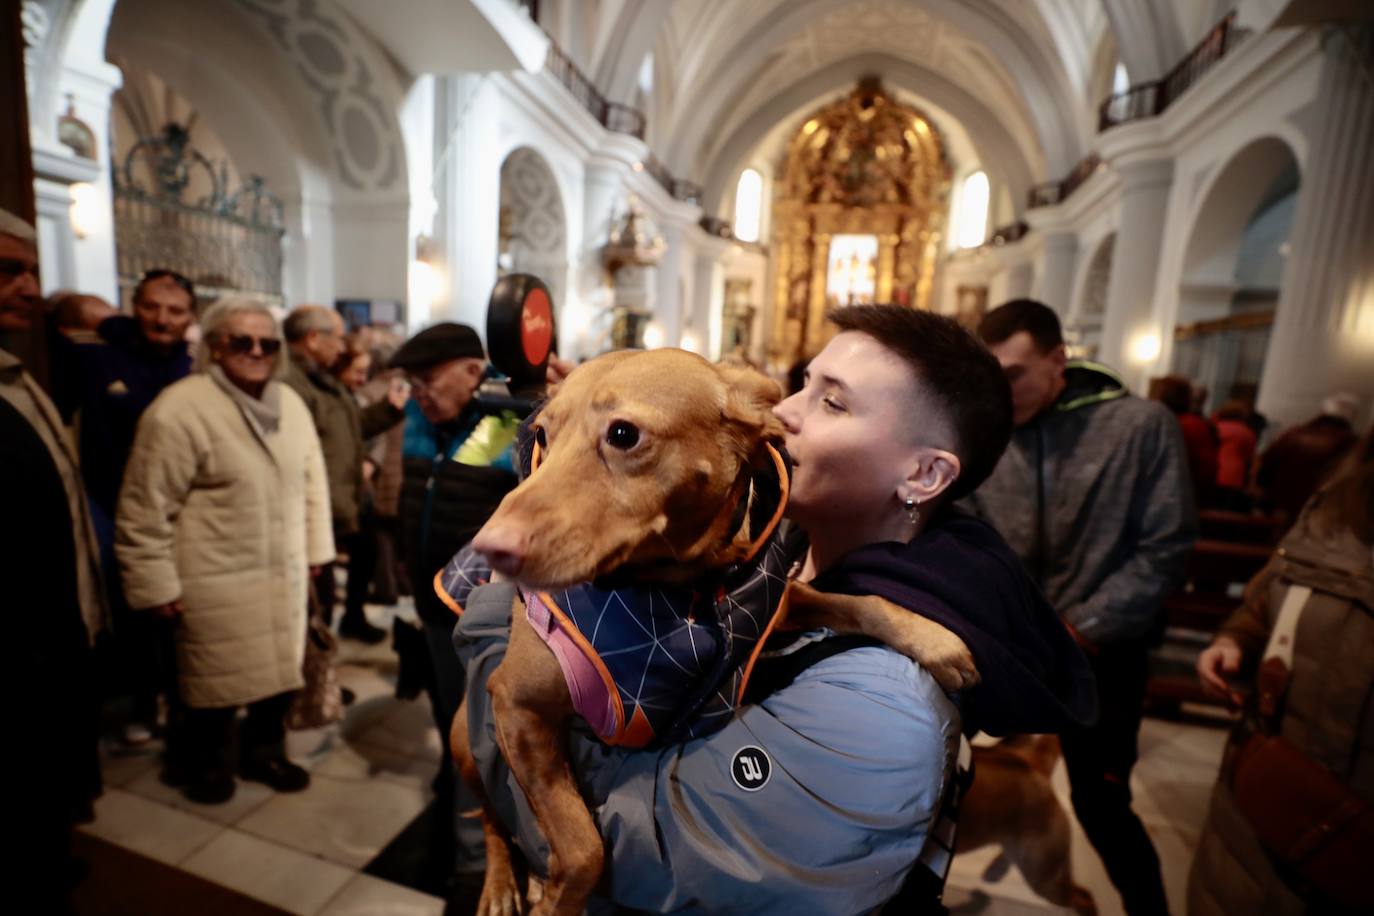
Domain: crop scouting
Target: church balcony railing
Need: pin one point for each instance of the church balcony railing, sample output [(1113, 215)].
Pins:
[(616, 117), (680, 189), (720, 228), (1052, 192), (613, 116), (1147, 100), (223, 241), (1006, 235)]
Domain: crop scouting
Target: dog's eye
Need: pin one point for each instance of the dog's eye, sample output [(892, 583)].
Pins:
[(622, 435), (541, 439)]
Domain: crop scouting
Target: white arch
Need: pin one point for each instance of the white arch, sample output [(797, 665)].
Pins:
[(1226, 204)]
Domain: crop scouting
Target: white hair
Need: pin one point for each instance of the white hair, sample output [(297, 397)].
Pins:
[(212, 325), (19, 228)]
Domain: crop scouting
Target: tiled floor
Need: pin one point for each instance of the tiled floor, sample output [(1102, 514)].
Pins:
[(1171, 785), (371, 776)]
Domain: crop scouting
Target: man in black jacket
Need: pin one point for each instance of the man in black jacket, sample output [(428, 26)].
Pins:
[(456, 467), (114, 379), (54, 601)]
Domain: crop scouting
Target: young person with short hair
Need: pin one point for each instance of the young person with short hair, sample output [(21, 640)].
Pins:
[(851, 746)]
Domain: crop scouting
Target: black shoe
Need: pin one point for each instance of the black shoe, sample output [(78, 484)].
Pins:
[(281, 774), (174, 776), (358, 628), (210, 788)]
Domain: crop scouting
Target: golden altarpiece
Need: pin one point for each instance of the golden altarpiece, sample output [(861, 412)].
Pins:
[(857, 218)]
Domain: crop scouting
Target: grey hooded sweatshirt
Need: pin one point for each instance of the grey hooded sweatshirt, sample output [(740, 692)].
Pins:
[(1093, 495)]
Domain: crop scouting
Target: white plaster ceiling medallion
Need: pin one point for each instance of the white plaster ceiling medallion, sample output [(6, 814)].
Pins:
[(324, 47)]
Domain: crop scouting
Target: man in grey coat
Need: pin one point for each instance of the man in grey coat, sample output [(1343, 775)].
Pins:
[(1093, 495), (315, 337)]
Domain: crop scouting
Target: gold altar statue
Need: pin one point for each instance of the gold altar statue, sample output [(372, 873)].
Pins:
[(858, 218)]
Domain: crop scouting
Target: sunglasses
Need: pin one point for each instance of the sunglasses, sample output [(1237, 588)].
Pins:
[(13, 267), (242, 344)]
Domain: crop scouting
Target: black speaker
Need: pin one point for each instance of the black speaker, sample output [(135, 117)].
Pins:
[(520, 330)]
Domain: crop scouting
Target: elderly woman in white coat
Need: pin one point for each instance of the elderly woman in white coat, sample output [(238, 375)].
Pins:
[(224, 510)]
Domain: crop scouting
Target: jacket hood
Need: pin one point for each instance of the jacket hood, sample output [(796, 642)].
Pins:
[(122, 331), (1087, 383), (961, 574)]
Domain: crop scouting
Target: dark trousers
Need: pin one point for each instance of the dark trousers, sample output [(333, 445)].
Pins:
[(145, 646), (1099, 761), (207, 735), (361, 547), (446, 695), (362, 564)]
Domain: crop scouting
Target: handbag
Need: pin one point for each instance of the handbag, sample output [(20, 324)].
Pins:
[(320, 701), (1303, 815)]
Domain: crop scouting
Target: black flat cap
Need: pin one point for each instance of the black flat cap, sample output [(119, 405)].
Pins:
[(438, 344)]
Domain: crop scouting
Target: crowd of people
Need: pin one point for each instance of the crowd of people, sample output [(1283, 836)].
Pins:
[(1226, 466), (179, 497)]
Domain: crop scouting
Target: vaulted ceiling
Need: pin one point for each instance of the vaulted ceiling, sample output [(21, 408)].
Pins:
[(1016, 75)]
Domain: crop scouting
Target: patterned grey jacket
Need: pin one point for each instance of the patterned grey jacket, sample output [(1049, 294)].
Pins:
[(1094, 497)]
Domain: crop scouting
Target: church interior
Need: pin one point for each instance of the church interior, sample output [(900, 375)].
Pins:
[(1186, 183)]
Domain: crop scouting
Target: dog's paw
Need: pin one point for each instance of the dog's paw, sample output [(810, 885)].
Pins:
[(500, 896), (938, 650)]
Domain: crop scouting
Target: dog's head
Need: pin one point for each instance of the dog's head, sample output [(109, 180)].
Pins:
[(643, 456)]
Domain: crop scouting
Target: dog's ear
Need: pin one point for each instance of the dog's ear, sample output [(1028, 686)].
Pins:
[(749, 401)]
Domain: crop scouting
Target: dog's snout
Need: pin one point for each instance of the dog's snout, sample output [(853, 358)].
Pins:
[(504, 546)]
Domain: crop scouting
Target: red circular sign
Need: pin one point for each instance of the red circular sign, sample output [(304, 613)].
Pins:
[(536, 326)]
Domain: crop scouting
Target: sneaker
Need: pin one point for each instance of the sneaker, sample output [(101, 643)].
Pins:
[(360, 629), (281, 774), (210, 788)]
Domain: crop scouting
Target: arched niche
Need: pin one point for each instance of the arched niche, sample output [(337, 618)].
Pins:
[(533, 233), (1232, 269)]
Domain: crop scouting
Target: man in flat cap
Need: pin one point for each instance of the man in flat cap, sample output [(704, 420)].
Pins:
[(456, 468)]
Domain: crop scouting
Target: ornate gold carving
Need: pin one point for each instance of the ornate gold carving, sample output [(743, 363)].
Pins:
[(865, 165)]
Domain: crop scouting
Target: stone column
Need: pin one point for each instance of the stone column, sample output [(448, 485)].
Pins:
[(1323, 335), (1020, 278), (1054, 276), (1145, 185)]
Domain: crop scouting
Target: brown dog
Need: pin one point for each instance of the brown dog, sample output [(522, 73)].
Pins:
[(1012, 803), (644, 457)]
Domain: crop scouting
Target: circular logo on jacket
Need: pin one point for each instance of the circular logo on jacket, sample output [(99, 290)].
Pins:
[(751, 768)]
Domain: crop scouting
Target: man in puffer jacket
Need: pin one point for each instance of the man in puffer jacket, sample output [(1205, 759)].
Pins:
[(456, 467), (1093, 495)]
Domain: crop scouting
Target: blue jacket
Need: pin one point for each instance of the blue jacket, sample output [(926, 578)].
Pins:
[(816, 800), (819, 796), (117, 381)]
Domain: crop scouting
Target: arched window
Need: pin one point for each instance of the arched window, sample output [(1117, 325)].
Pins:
[(1121, 80), (971, 220), (646, 75), (748, 205)]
